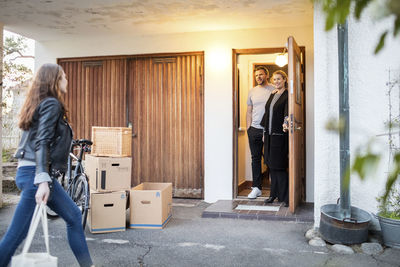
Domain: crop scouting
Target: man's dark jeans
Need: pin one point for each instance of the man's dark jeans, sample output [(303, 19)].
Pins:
[(256, 146)]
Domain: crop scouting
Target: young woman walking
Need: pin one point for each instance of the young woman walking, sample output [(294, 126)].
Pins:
[(43, 149)]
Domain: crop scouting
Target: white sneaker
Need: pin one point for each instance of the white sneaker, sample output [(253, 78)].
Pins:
[(254, 193)]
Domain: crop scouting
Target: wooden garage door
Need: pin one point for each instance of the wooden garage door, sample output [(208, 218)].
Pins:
[(167, 116), (96, 94)]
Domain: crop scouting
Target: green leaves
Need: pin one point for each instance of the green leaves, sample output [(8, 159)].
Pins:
[(334, 125), (14, 45), (15, 73), (389, 205), (337, 12), (381, 42), (364, 165), (396, 26), (360, 6), (393, 176)]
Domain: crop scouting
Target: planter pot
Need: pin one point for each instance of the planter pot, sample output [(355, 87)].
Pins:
[(390, 231), (347, 231)]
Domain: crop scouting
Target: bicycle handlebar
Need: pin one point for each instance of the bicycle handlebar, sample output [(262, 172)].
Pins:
[(82, 142)]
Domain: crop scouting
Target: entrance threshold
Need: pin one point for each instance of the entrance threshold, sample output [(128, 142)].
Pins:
[(247, 209)]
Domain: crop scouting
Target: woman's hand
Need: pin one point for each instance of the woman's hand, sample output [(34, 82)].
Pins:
[(43, 193), (285, 124)]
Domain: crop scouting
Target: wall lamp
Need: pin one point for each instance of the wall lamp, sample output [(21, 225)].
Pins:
[(282, 58)]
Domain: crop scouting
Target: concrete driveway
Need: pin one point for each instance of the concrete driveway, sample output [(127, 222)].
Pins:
[(189, 240)]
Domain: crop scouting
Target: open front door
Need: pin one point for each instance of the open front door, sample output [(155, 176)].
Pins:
[(296, 133)]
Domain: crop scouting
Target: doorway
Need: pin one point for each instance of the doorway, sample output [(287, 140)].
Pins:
[(246, 65), (244, 62)]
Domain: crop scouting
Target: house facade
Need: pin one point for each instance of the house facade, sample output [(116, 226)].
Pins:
[(368, 86)]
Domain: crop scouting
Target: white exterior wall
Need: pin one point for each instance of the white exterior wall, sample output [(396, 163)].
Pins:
[(217, 47), (368, 74)]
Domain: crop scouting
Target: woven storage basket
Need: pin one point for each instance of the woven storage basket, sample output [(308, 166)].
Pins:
[(111, 141)]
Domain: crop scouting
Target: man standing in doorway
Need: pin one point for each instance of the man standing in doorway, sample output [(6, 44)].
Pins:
[(256, 100)]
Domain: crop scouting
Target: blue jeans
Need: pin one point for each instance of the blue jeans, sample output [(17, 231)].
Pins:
[(59, 202)]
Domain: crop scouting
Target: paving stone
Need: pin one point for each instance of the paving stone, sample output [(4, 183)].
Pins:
[(371, 248), (317, 242), (311, 233), (342, 249)]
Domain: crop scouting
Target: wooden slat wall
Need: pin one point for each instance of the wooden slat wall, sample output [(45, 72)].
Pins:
[(166, 111), (96, 94)]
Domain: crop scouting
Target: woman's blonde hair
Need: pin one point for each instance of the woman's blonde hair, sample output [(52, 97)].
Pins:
[(45, 84), (284, 76)]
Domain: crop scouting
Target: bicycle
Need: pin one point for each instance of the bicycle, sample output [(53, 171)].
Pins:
[(77, 187)]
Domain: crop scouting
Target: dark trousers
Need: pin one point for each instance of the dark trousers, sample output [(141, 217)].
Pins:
[(280, 185), (256, 146)]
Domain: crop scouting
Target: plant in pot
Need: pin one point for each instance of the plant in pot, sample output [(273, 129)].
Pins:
[(366, 163), (389, 217), (389, 203)]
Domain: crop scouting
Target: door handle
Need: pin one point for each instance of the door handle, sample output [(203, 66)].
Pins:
[(297, 126), (294, 124), (130, 126)]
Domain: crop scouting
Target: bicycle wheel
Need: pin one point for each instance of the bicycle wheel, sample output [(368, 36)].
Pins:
[(52, 214), (81, 196)]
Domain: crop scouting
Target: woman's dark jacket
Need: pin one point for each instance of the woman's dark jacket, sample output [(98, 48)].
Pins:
[(48, 140), (276, 146)]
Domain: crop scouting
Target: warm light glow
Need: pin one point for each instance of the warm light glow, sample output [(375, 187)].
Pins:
[(281, 60), (218, 58)]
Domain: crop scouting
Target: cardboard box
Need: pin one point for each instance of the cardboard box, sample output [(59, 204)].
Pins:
[(150, 205), (108, 174), (112, 141), (107, 212)]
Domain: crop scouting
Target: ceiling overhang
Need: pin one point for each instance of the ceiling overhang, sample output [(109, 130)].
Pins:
[(46, 20)]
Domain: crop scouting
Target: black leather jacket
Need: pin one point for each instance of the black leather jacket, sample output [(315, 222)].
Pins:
[(48, 140)]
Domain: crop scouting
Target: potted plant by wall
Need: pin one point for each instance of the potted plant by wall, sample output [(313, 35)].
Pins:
[(366, 163), (389, 218), (389, 203)]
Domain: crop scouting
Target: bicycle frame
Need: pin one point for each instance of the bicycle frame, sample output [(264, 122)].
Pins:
[(75, 182), (78, 168)]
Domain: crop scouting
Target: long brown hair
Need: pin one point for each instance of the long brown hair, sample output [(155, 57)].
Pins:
[(45, 84)]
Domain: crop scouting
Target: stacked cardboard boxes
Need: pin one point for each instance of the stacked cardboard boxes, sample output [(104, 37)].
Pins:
[(109, 171)]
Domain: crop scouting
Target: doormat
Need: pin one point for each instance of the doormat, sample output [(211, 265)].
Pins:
[(255, 207)]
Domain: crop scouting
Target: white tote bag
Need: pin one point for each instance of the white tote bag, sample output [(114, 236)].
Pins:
[(26, 259)]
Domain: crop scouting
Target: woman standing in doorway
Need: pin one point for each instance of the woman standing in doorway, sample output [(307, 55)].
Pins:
[(276, 146), (43, 149)]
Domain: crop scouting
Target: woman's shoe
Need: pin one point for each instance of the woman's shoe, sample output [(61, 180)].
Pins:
[(269, 200)]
